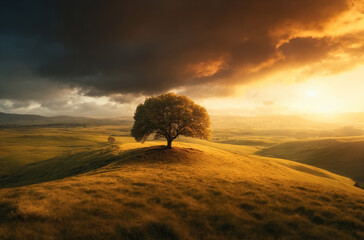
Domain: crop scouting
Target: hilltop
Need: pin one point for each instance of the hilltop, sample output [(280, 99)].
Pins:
[(135, 191)]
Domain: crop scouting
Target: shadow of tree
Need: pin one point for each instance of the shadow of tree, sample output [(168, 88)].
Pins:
[(84, 162)]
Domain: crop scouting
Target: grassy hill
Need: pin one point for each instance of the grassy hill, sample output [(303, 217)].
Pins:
[(344, 156), (24, 145), (194, 191)]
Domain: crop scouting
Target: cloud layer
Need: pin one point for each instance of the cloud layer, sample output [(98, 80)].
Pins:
[(127, 48)]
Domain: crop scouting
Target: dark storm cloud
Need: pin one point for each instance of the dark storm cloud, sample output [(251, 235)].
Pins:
[(326, 53), (307, 49), (133, 47)]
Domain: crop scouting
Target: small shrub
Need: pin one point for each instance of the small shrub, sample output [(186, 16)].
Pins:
[(111, 140)]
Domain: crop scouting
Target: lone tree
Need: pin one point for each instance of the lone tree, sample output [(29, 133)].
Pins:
[(169, 116)]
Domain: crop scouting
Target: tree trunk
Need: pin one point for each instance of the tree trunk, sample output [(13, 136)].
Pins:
[(169, 144)]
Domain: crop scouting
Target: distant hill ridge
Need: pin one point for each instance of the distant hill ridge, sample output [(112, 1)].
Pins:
[(9, 119)]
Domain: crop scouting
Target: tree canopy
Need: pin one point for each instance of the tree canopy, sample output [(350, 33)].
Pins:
[(169, 116)]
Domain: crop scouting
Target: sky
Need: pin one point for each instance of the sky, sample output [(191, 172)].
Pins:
[(103, 58)]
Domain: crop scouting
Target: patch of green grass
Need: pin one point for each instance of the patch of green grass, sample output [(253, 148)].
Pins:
[(21, 146)]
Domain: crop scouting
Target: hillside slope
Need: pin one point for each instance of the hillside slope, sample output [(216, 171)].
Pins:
[(344, 156), (59, 167), (189, 192)]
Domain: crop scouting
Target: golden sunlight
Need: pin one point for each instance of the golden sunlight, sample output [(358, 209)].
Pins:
[(182, 119), (317, 94), (311, 93)]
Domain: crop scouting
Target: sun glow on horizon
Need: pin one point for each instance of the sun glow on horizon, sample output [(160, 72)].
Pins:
[(311, 93), (332, 94)]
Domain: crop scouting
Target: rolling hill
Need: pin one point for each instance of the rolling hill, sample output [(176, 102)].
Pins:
[(344, 156), (353, 118), (134, 191)]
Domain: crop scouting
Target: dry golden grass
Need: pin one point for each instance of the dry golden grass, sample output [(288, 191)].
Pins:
[(189, 192), (344, 156)]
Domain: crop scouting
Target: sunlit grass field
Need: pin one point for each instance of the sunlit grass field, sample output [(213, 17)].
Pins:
[(23, 145), (70, 183), (344, 156)]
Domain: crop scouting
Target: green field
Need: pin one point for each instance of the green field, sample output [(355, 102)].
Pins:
[(23, 145)]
